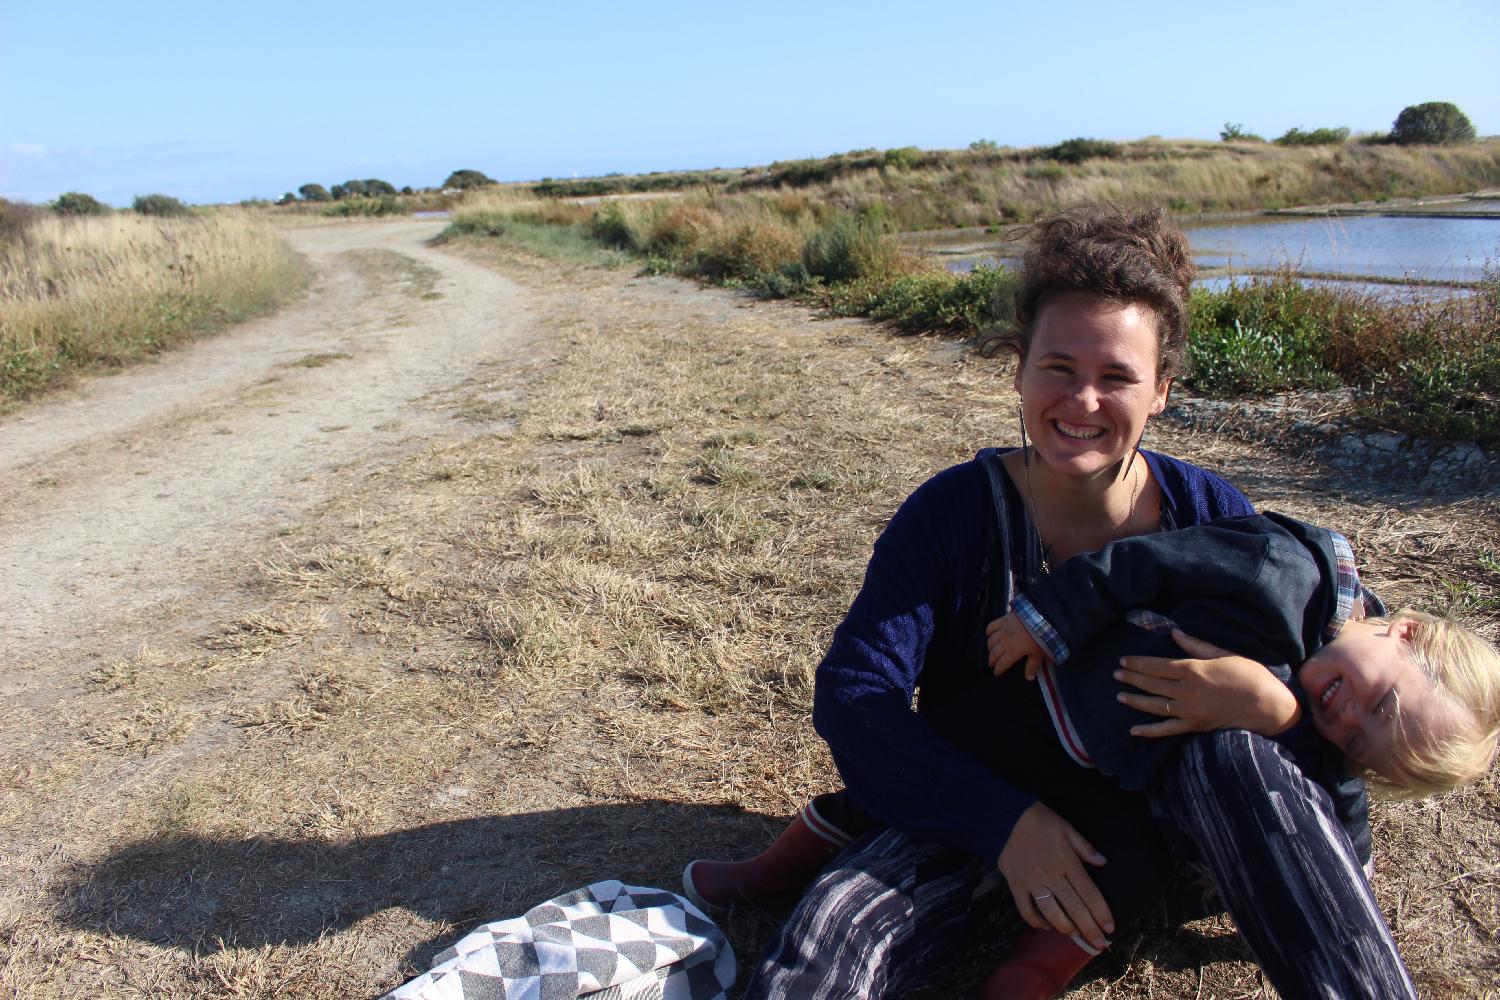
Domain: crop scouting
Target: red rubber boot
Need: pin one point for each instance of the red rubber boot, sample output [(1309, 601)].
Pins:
[(1039, 966), (790, 863)]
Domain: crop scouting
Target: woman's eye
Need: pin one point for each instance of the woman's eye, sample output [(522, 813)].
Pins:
[(1386, 707)]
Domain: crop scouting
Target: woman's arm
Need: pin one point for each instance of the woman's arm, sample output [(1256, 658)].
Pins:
[(1210, 688), (925, 564)]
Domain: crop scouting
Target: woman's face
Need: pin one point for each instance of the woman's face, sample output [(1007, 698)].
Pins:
[(1089, 382)]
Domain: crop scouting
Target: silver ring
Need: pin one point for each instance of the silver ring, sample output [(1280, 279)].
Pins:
[(1169, 705), (1045, 895)]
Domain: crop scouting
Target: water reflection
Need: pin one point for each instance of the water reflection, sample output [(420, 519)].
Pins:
[(1428, 248), (1329, 250)]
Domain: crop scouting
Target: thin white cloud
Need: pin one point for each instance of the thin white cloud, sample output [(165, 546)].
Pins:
[(27, 150)]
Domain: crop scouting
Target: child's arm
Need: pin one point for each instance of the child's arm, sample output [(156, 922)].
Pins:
[(1009, 642)]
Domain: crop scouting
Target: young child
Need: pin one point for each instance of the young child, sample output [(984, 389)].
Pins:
[(1412, 700)]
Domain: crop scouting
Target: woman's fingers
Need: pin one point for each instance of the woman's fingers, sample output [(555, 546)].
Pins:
[(1055, 914), (1197, 647), (1155, 685), (1166, 727), (1085, 911)]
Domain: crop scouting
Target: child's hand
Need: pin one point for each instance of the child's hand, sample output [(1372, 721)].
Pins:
[(1009, 641)]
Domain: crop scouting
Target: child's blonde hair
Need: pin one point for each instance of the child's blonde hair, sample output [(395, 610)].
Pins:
[(1465, 672)]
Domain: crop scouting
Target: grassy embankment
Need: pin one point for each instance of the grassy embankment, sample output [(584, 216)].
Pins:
[(931, 189), (823, 235), (81, 292)]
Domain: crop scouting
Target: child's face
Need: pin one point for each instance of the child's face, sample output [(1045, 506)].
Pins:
[(1366, 690)]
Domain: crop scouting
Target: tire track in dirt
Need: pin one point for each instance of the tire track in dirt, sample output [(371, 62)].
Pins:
[(115, 495)]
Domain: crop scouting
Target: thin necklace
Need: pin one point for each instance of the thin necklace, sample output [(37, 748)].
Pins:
[(1036, 514)]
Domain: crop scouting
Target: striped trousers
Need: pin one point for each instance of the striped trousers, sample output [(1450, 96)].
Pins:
[(891, 911)]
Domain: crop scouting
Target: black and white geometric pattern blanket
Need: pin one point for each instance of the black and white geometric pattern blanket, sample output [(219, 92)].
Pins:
[(606, 941)]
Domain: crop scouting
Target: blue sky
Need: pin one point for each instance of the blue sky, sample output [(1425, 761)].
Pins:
[(219, 102)]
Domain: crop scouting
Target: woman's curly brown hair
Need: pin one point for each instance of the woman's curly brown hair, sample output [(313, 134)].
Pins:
[(1117, 253)]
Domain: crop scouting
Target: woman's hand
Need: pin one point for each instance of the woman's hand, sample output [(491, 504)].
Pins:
[(1008, 642), (1043, 864), (1210, 689)]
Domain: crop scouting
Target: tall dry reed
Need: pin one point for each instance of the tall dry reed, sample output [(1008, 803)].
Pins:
[(76, 292)]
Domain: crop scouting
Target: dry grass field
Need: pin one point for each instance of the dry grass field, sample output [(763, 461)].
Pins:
[(96, 291), (572, 640)]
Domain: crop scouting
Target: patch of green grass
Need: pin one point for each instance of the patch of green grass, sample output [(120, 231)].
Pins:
[(318, 360), (750, 437), (387, 268), (569, 243), (718, 466), (179, 809)]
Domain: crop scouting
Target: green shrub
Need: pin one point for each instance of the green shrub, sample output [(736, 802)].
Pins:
[(1079, 150), (162, 204), (1314, 137), (616, 227), (943, 301), (314, 192), (78, 203), (15, 216), (1434, 123), (1243, 360), (1266, 335), (787, 281), (847, 247), (348, 207), (464, 179), (903, 157), (1236, 133)]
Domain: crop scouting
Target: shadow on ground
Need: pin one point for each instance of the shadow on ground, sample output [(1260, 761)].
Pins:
[(205, 894)]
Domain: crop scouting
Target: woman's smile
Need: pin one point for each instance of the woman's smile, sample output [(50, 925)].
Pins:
[(1078, 431)]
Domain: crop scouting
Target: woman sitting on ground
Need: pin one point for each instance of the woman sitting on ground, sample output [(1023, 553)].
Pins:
[(1103, 330)]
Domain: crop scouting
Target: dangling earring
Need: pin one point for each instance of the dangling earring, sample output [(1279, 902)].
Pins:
[(1025, 448), (1136, 450)]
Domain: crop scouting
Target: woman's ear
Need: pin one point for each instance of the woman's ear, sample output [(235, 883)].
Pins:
[(1406, 629), (1163, 393)]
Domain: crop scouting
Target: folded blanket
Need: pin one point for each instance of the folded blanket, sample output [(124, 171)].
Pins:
[(606, 941)]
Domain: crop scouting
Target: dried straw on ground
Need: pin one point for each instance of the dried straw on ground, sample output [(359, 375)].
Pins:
[(575, 640)]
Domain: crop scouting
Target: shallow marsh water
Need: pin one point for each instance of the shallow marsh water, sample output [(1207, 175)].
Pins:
[(1390, 251)]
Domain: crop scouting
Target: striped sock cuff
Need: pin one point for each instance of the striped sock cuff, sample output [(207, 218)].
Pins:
[(817, 824)]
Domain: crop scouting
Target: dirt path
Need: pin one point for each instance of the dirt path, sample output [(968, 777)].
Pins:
[(113, 498)]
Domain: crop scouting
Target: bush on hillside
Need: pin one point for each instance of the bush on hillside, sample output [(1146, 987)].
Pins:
[(384, 205), (78, 203), (845, 248), (929, 301), (613, 226), (464, 179), (314, 192), (1314, 137), (1233, 132), (1433, 123), (1079, 150), (903, 157), (159, 204), (15, 216), (370, 188)]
